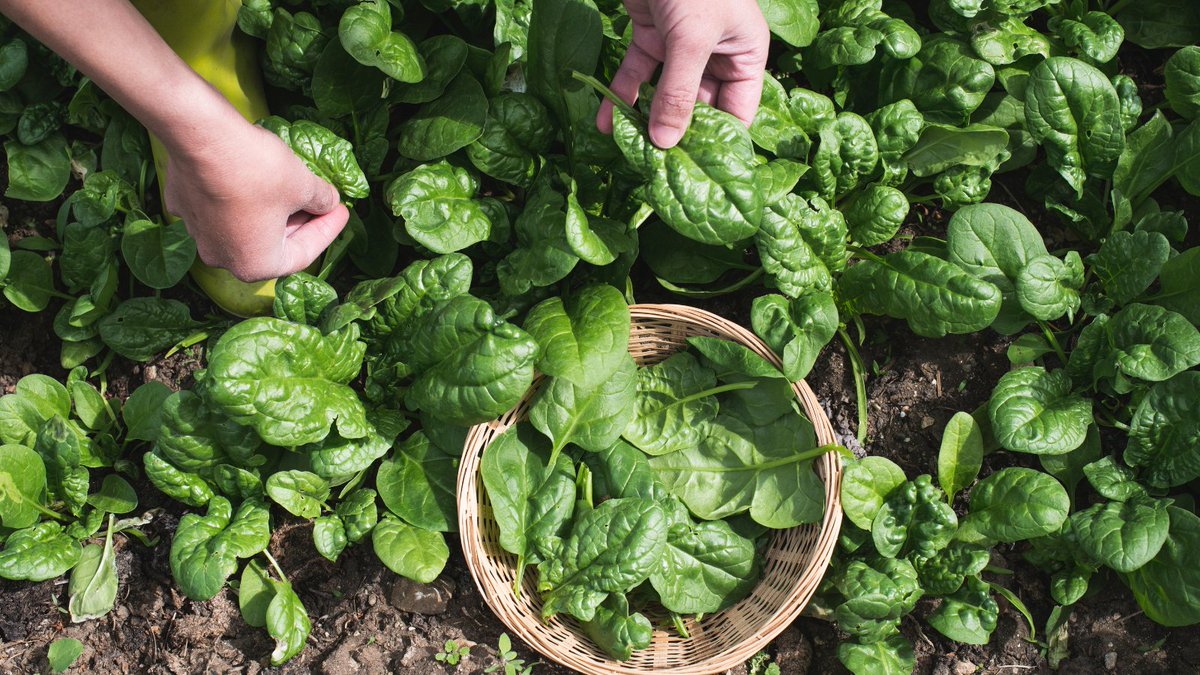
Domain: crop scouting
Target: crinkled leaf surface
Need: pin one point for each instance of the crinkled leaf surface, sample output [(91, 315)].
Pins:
[(205, 549), (583, 338), (1123, 535), (591, 418), (437, 202), (1018, 503), (1164, 435), (1034, 410)]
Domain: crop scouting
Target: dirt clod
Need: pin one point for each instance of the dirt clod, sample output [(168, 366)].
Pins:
[(410, 596)]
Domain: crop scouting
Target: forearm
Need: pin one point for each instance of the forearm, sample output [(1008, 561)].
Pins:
[(110, 42)]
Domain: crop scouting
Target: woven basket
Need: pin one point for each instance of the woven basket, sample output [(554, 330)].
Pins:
[(794, 564)]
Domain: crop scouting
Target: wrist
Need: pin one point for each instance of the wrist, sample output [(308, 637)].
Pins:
[(200, 126)]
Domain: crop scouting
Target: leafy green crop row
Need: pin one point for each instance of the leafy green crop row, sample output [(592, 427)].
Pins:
[(495, 232)]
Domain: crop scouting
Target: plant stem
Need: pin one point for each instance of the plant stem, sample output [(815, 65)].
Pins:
[(860, 383), (275, 564), (1046, 331), (607, 93)]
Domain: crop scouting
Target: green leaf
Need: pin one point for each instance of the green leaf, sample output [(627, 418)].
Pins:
[(471, 365), (961, 454), (1179, 285), (942, 146), (846, 154), (288, 381), (30, 282), (593, 418), (1151, 343), (35, 400), (1033, 410), (39, 172), (793, 21), (801, 244), (418, 484), (329, 537), (1163, 432), (1128, 263), (116, 495), (438, 206), (914, 519), (358, 513), (142, 411), (158, 255), (1094, 35), (324, 152), (1014, 504), (995, 243), (532, 499), (704, 187), (730, 359), (612, 549), (1182, 74), (1073, 111), (409, 551), (181, 486), (705, 567), (890, 656), (38, 553), (337, 458), (205, 550), (675, 399), (766, 471), (61, 446), (22, 484), (447, 124), (365, 31), (583, 339), (1047, 288), (1165, 23), (517, 132), (798, 329), (934, 296), (301, 493), (301, 298), (444, 57), (969, 615), (945, 80), (255, 592), (1123, 535), (616, 631), (63, 653), (93, 587), (287, 622), (866, 483), (141, 328), (876, 214), (1168, 587)]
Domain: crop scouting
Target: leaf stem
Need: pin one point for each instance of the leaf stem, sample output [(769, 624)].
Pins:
[(608, 94), (860, 383), (275, 564), (1046, 331)]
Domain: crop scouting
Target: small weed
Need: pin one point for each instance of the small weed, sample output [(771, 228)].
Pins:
[(453, 653), (509, 664)]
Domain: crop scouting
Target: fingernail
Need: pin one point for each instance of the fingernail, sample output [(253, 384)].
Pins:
[(665, 137)]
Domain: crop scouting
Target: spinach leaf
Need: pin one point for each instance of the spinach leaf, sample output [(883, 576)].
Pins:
[(675, 399), (876, 214), (793, 21), (705, 568), (961, 454), (798, 329), (288, 381), (22, 483), (365, 31), (1182, 74), (866, 483), (43, 551), (612, 549), (287, 622), (584, 338), (1073, 111), (1033, 410), (517, 132), (914, 519), (438, 206), (766, 471), (1123, 535), (38, 172), (616, 631), (409, 551), (1163, 431), (447, 124), (301, 493), (969, 615), (801, 245), (1014, 504), (1128, 263), (141, 328), (704, 187), (92, 590), (324, 152), (592, 418), (891, 655), (205, 550), (471, 365), (418, 484), (532, 499), (934, 296), (1167, 587), (158, 255), (181, 486), (1048, 287)]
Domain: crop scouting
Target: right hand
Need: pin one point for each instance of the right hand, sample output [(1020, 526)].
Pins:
[(253, 207)]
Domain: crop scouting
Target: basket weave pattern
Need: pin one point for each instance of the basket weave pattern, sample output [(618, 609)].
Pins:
[(794, 562)]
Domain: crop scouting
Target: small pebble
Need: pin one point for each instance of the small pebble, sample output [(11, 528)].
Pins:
[(903, 414), (1110, 660), (371, 600), (964, 668)]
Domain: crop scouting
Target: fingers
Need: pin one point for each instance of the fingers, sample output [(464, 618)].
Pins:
[(321, 196), (307, 241), (678, 88), (710, 90), (740, 98), (636, 68)]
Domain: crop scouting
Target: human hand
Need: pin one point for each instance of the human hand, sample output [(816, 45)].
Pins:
[(713, 51), (250, 203)]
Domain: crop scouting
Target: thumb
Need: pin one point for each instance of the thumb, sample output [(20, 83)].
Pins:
[(322, 197), (305, 243)]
